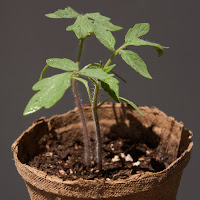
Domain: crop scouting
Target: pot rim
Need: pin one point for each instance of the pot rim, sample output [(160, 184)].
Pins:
[(157, 177)]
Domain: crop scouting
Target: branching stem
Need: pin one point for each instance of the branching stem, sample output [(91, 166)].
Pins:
[(95, 113), (114, 55)]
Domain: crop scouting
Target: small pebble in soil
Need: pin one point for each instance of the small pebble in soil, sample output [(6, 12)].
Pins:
[(112, 147), (122, 155), (116, 158), (121, 159), (136, 164), (128, 158)]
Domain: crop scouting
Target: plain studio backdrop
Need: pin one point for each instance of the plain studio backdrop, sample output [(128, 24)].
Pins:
[(28, 38)]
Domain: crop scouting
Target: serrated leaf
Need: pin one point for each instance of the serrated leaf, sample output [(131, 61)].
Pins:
[(104, 36), (82, 27), (109, 26), (109, 68), (111, 86), (66, 13), (51, 90), (137, 31), (95, 73), (62, 63), (97, 16), (139, 42), (132, 104), (134, 60)]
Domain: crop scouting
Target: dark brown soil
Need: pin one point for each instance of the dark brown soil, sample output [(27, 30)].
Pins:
[(121, 158)]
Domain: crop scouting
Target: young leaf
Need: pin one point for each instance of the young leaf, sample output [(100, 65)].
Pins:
[(139, 42), (97, 16), (109, 68), (82, 27), (111, 86), (134, 60), (62, 63), (133, 105), (95, 73), (104, 36), (137, 31), (51, 90), (66, 13)]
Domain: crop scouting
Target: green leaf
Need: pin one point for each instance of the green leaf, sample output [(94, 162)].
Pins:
[(86, 86), (139, 42), (51, 90), (111, 86), (137, 31), (66, 13), (62, 63), (109, 26), (134, 60), (109, 68), (53, 16), (82, 27), (95, 73), (133, 105), (104, 36), (97, 16)]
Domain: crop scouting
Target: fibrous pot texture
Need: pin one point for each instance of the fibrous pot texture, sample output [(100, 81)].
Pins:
[(172, 141)]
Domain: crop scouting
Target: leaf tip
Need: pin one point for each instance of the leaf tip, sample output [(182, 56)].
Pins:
[(27, 112), (141, 114)]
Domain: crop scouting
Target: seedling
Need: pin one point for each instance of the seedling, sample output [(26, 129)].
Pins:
[(50, 90)]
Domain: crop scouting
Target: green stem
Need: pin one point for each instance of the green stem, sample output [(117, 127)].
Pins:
[(103, 102), (97, 128), (43, 71), (114, 55), (80, 111), (80, 52), (93, 80), (95, 113), (90, 65)]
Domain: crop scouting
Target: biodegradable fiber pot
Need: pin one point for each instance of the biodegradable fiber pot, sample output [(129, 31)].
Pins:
[(174, 144)]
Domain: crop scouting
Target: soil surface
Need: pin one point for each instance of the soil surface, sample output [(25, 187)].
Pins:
[(121, 159)]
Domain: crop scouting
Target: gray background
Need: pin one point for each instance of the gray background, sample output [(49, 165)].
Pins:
[(27, 39)]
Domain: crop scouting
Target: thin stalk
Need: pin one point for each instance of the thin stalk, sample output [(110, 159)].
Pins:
[(103, 102), (90, 65), (80, 111), (97, 128), (95, 113), (114, 55)]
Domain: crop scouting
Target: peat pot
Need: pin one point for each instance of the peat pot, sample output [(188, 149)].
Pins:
[(172, 140)]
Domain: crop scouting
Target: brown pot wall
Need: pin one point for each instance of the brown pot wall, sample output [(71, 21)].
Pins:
[(121, 120)]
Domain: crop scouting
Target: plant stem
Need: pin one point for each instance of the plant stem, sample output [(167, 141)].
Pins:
[(80, 52), (114, 55), (80, 111), (97, 128), (103, 102), (95, 114)]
